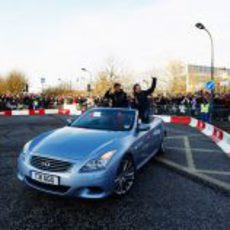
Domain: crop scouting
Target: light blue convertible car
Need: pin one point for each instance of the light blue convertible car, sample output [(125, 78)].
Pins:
[(95, 156)]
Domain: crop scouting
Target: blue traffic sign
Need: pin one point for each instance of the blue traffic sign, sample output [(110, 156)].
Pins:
[(210, 85)]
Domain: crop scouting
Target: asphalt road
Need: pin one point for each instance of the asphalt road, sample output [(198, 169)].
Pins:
[(162, 198), (191, 151)]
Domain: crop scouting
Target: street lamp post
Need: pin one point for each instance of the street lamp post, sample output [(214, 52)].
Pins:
[(202, 27), (90, 80), (43, 80)]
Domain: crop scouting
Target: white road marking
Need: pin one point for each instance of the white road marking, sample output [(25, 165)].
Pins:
[(203, 177), (188, 153), (194, 149), (213, 172), (182, 136), (180, 131)]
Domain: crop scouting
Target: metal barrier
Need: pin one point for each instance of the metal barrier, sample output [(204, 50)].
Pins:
[(219, 113)]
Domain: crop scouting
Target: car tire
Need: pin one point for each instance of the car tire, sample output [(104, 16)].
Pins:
[(125, 178)]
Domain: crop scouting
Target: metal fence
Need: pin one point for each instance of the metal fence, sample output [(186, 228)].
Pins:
[(219, 113)]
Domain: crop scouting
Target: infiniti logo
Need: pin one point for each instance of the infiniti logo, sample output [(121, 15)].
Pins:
[(45, 164)]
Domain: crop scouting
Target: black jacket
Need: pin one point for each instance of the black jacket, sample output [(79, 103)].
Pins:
[(141, 101), (119, 99)]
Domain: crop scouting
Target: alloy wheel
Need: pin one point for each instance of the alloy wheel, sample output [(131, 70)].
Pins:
[(125, 177)]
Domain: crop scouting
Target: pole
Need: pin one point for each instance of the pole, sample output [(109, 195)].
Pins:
[(89, 85), (212, 74), (212, 54)]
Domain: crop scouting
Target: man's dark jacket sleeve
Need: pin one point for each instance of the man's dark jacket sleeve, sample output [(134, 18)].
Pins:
[(107, 94), (152, 88)]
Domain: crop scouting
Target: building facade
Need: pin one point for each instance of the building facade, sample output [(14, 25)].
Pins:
[(197, 76)]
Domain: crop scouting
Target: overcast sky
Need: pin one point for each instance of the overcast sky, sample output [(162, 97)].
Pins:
[(56, 38)]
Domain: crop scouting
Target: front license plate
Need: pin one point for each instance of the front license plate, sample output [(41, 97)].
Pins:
[(45, 178)]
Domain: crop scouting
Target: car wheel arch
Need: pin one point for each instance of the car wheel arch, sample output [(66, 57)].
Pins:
[(129, 155)]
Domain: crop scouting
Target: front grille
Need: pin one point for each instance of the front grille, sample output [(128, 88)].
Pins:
[(51, 165), (48, 187)]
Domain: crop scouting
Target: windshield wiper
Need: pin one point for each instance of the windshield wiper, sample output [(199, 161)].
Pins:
[(82, 127), (99, 128)]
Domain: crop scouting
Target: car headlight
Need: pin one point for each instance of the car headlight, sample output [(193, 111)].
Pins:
[(98, 164), (25, 149)]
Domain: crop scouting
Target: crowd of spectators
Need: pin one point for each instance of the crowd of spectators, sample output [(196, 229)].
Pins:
[(192, 101), (190, 104), (177, 104), (37, 101)]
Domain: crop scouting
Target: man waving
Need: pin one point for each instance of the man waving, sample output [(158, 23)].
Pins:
[(141, 101)]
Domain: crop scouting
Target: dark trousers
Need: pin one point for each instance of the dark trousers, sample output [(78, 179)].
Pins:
[(144, 116), (205, 117)]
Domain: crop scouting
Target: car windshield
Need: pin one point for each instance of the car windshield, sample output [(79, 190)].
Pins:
[(112, 120)]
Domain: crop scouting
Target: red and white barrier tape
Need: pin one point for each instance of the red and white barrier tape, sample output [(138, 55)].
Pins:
[(220, 137), (32, 112)]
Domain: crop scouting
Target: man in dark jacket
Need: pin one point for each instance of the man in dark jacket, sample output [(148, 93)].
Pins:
[(141, 101), (118, 97)]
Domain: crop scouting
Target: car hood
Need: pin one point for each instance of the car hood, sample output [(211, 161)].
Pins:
[(75, 143)]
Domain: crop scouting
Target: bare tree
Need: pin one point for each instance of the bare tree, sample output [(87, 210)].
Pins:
[(101, 84), (116, 72), (176, 75), (2, 86), (15, 82), (162, 86)]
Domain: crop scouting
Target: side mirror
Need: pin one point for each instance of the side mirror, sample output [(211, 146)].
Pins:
[(69, 121), (143, 127)]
